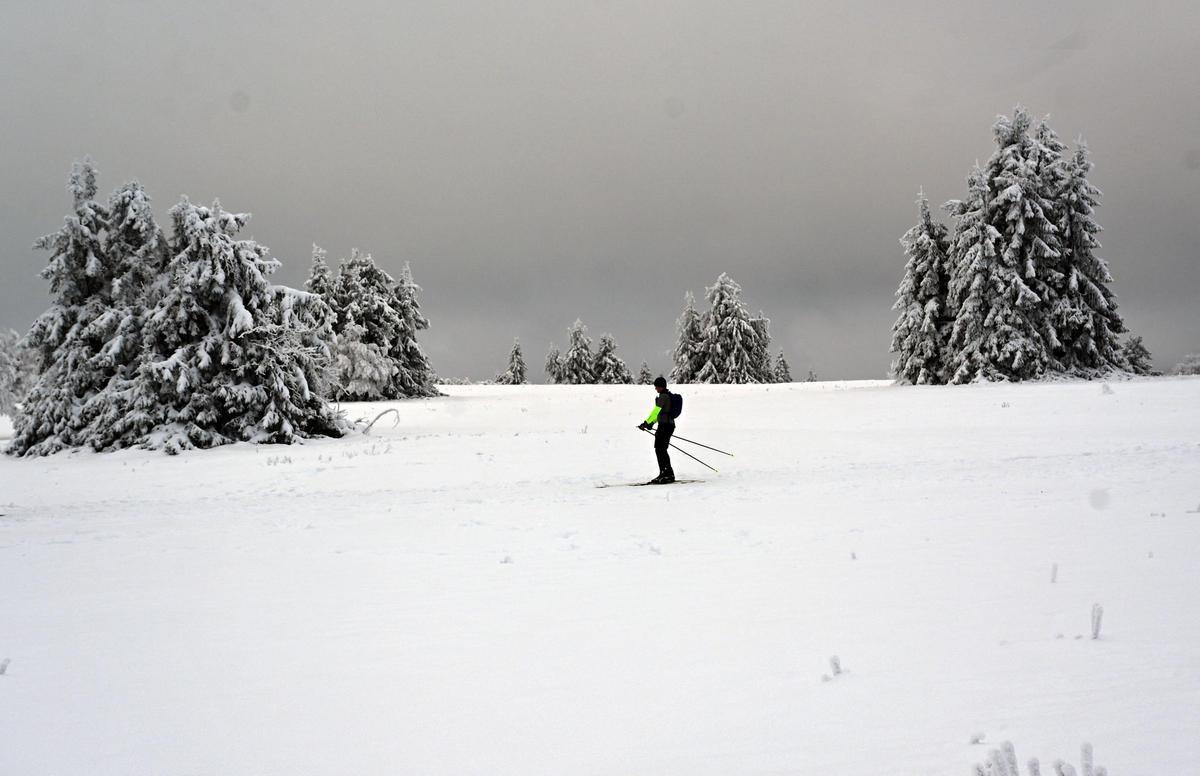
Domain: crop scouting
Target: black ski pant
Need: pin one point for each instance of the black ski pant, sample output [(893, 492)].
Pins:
[(662, 438)]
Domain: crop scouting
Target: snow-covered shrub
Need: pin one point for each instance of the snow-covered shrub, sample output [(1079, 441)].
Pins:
[(1003, 762), (1136, 357), (1190, 365)]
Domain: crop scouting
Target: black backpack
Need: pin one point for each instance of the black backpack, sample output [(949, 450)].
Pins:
[(676, 406)]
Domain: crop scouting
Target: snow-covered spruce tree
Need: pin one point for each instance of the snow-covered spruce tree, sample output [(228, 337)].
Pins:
[(320, 276), (918, 333), (515, 374), (645, 377), (554, 365), (63, 339), (688, 357), (1190, 365), (578, 363), (783, 372), (729, 339), (1020, 208), (368, 324), (608, 367), (18, 371), (229, 356), (994, 335), (763, 367), (1136, 357), (138, 254), (1086, 313), (1025, 178), (362, 369), (811, 377), (414, 376)]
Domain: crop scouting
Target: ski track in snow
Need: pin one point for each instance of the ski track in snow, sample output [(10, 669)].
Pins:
[(455, 595)]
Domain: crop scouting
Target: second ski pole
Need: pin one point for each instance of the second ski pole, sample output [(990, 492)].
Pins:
[(706, 447), (685, 452)]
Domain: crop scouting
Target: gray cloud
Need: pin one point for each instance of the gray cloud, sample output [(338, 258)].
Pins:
[(556, 159)]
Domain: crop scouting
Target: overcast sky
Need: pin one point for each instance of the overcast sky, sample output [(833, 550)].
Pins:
[(545, 160)]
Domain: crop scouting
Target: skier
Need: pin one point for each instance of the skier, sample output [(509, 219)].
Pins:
[(664, 416)]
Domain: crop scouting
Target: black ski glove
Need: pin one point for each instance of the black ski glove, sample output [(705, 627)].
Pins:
[(644, 426)]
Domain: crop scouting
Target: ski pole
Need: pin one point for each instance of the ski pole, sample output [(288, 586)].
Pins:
[(706, 447), (685, 452)]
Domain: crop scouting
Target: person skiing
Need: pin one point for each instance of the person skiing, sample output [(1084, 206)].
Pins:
[(662, 415)]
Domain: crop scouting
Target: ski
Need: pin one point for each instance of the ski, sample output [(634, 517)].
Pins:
[(642, 484)]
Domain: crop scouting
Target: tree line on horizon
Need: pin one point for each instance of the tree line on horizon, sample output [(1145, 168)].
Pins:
[(173, 340), (725, 344)]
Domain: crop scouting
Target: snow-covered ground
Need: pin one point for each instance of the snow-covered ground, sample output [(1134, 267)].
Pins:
[(454, 595)]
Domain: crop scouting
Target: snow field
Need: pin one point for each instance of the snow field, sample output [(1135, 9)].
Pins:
[(453, 595)]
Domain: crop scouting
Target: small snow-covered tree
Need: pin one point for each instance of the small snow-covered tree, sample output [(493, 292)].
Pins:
[(1190, 365), (811, 377), (763, 367), (65, 339), (994, 335), (380, 317), (1136, 357), (783, 372), (578, 363), (515, 374), (1086, 314), (688, 356), (364, 294), (645, 376), (320, 276), (730, 340), (554, 365), (608, 367), (362, 368), (231, 357), (414, 377), (918, 333)]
